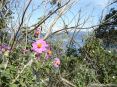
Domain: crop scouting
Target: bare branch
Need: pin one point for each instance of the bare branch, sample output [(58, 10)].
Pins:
[(20, 23)]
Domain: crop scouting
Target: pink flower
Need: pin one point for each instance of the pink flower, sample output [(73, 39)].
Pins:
[(4, 47), (37, 32), (56, 62), (39, 46), (48, 54)]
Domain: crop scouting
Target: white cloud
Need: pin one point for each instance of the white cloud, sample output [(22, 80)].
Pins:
[(102, 3)]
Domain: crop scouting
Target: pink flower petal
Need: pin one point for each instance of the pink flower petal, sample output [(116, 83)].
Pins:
[(42, 48)]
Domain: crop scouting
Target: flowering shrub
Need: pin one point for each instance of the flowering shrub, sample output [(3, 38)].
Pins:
[(27, 65), (30, 58), (41, 63)]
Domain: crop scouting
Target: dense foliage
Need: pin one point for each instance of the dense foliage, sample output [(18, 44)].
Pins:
[(101, 60), (107, 30)]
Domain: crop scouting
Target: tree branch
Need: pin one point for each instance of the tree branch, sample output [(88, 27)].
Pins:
[(20, 24)]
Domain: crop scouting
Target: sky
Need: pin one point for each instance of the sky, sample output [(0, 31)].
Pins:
[(92, 8)]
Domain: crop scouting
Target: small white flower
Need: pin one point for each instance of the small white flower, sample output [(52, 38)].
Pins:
[(84, 59), (109, 51), (113, 77)]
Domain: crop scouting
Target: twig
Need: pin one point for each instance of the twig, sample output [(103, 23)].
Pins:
[(68, 82), (22, 20), (54, 22), (48, 16)]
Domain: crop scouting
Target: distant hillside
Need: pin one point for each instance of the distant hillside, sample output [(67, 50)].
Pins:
[(65, 38)]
